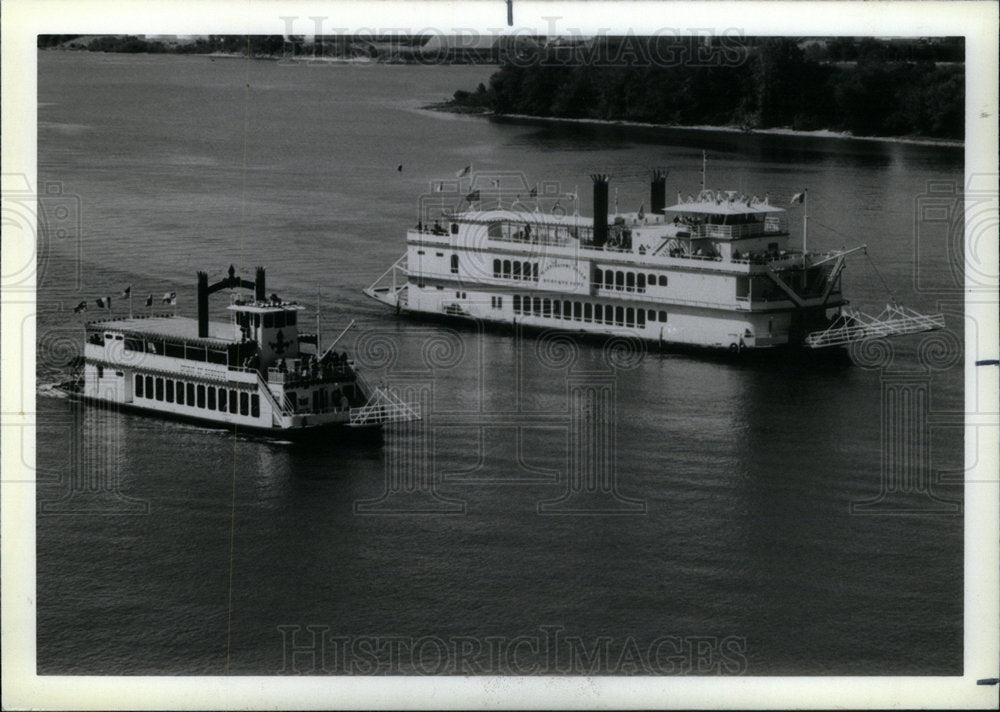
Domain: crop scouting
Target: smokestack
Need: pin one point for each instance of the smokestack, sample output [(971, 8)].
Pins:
[(658, 192), (259, 288), (600, 208), (203, 305)]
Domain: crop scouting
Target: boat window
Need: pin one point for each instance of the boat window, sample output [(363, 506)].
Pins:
[(132, 344), (172, 348), (534, 271), (222, 400), (217, 356), (495, 230), (180, 392), (598, 277), (588, 312), (496, 268), (663, 316), (640, 317), (454, 262), (567, 309), (170, 390), (547, 307), (620, 316), (609, 279), (599, 313), (201, 396), (211, 397), (640, 282), (630, 317), (652, 279), (190, 394), (454, 228), (517, 303), (556, 307), (619, 280), (138, 386), (663, 280), (255, 405), (630, 281), (232, 400), (517, 270), (244, 403), (577, 313), (159, 388), (268, 321), (149, 386)]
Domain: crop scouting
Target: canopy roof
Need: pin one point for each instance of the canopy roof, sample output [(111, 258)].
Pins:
[(723, 202), (167, 327)]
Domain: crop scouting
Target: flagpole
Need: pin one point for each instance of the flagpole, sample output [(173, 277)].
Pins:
[(805, 223), (704, 165)]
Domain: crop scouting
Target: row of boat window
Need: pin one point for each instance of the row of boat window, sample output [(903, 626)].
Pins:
[(512, 269), (623, 281), (586, 312), (197, 395)]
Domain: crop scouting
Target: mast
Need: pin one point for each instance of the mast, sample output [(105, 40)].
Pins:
[(805, 223)]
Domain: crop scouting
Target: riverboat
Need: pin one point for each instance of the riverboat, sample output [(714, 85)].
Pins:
[(716, 269), (257, 374)]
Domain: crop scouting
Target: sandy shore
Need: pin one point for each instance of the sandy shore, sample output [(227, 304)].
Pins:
[(822, 133)]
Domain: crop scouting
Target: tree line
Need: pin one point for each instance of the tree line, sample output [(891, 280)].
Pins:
[(758, 84)]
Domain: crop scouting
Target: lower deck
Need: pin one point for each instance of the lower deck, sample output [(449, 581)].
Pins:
[(689, 325)]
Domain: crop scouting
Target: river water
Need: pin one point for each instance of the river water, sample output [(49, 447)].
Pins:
[(757, 524)]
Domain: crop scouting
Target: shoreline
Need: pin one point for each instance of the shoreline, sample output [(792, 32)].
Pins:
[(780, 131)]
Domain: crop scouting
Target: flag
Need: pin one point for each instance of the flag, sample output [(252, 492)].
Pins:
[(149, 300), (82, 306), (464, 172), (170, 298), (798, 197), (473, 196), (104, 302), (127, 292)]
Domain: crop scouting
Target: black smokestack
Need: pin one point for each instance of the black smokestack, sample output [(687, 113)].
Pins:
[(658, 192), (203, 305), (259, 290), (600, 208)]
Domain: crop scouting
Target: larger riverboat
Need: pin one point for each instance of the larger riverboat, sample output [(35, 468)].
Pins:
[(257, 373), (715, 270)]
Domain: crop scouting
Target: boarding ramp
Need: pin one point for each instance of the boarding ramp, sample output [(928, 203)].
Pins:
[(853, 326), (382, 407)]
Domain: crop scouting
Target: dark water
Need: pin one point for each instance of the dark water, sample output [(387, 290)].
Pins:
[(733, 547)]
